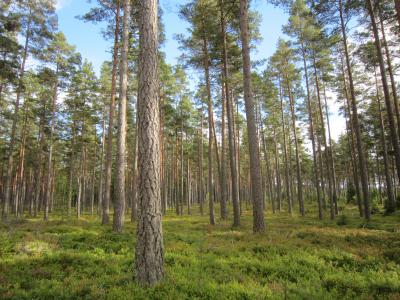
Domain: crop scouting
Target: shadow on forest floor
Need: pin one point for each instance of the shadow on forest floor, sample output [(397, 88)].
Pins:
[(297, 258)]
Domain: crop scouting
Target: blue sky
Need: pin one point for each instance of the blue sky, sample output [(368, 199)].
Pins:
[(88, 39), (90, 43)]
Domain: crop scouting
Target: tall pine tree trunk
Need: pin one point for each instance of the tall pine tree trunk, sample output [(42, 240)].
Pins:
[(296, 145), (392, 124), (108, 172), (255, 167), (356, 126), (10, 163), (353, 149), (391, 205), (149, 255), (231, 130), (312, 136), (50, 155), (285, 152), (119, 203)]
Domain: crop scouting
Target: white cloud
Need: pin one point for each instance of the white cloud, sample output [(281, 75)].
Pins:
[(62, 3)]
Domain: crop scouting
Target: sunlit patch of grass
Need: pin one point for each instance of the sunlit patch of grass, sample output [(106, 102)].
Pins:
[(296, 258)]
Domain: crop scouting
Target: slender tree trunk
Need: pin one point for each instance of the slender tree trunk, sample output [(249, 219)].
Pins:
[(71, 169), (18, 199), (93, 179), (296, 145), (356, 126), (392, 124), (200, 187), (391, 75), (224, 195), (101, 183), (324, 143), (210, 130), (285, 152), (231, 131), (312, 136), (331, 157), (255, 167), (350, 132), (391, 205), (181, 191), (149, 255), (277, 172), (108, 171), (10, 163), (39, 166), (50, 155), (119, 203)]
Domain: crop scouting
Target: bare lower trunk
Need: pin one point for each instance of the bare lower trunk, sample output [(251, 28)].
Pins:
[(149, 255), (50, 155), (285, 153), (119, 203), (101, 183), (10, 163), (353, 151), (255, 168), (108, 172), (296, 145), (210, 131), (391, 205), (356, 126), (312, 136)]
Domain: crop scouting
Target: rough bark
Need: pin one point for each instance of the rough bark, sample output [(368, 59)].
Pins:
[(119, 203), (149, 254), (255, 168)]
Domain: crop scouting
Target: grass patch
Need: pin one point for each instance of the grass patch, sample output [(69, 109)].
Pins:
[(297, 258)]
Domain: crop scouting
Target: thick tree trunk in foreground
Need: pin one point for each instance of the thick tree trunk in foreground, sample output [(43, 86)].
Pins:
[(255, 168), (149, 256), (119, 203)]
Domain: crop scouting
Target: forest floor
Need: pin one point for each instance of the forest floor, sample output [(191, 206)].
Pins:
[(297, 258)]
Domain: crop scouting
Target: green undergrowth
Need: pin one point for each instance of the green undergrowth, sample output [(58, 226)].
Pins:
[(297, 258)]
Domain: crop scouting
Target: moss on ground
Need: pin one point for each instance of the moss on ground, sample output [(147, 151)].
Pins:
[(297, 258)]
